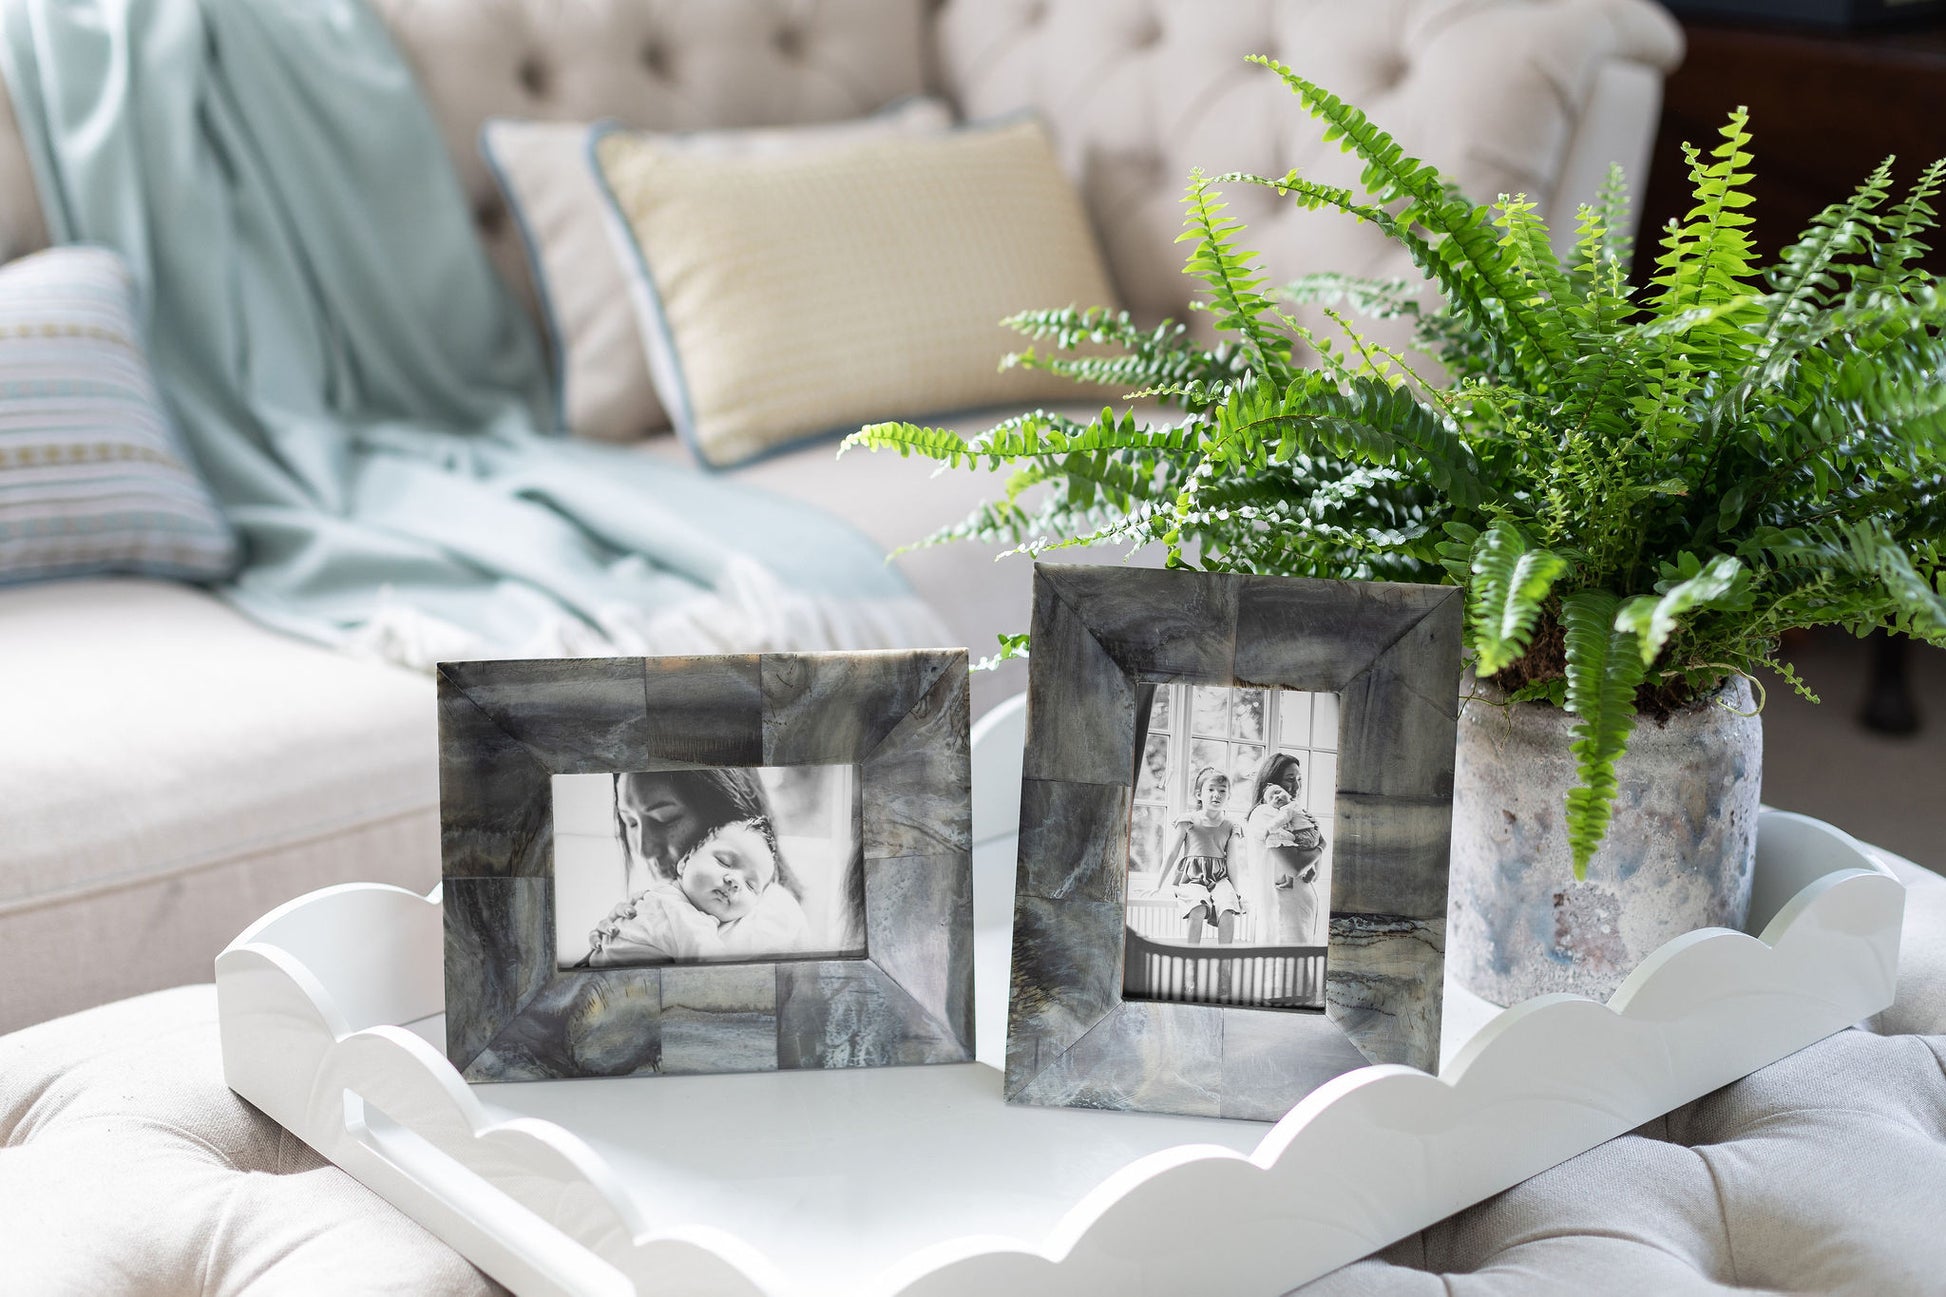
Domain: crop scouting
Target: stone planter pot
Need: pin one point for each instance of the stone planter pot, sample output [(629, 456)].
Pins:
[(1677, 857)]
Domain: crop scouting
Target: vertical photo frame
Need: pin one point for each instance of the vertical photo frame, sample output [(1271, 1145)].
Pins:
[(1164, 957)]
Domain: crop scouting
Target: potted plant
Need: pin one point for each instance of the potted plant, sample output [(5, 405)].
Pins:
[(1640, 485)]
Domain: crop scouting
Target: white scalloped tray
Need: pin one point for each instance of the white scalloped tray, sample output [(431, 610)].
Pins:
[(922, 1181)]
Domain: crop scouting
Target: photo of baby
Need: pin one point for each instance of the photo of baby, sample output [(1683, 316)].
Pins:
[(1229, 846), (719, 865)]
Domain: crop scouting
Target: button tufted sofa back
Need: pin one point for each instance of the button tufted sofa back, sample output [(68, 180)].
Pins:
[(674, 65), (1135, 92)]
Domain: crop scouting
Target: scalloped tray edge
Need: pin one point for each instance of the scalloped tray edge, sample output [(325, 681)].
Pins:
[(1541, 1082)]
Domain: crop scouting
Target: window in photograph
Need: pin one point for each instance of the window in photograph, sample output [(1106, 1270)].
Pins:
[(1229, 887), (727, 864)]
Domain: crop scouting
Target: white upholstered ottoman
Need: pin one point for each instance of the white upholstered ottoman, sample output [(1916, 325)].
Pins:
[(126, 1165)]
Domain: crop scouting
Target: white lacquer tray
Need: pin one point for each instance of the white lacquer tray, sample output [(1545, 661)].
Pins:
[(922, 1181)]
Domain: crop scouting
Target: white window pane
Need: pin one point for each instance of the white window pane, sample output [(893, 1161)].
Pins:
[(1211, 711), (1147, 838), (1151, 778), (1293, 719), (1321, 783), (1244, 760), (1324, 721), (1247, 715)]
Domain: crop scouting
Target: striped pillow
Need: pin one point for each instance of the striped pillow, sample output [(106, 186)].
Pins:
[(92, 476)]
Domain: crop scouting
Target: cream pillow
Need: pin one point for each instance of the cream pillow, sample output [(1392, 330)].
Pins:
[(784, 297), (601, 378)]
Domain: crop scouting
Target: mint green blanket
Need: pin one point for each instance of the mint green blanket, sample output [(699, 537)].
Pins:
[(360, 390)]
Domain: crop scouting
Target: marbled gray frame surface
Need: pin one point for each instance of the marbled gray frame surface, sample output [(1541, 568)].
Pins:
[(1392, 655), (505, 728)]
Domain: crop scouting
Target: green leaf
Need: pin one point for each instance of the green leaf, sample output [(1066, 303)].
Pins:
[(1510, 581), (1653, 619), (1604, 667), (1011, 647)]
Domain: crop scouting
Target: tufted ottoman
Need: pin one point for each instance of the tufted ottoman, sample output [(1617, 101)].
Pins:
[(126, 1165)]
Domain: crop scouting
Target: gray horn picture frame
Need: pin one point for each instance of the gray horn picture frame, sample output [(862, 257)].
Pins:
[(1391, 652), (507, 727)]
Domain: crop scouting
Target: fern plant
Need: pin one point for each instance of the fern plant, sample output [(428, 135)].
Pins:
[(1640, 485)]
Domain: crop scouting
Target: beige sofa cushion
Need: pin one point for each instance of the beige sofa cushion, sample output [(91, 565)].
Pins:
[(788, 296), (176, 770)]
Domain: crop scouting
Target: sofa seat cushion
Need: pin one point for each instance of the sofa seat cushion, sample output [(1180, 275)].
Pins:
[(127, 1166), (162, 746)]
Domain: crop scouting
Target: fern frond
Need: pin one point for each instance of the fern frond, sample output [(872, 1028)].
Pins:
[(1531, 255), (1012, 648), (1803, 280), (1722, 583), (1706, 260), (1604, 666), (1235, 284), (1611, 207), (1790, 677), (1896, 256), (1469, 263), (1378, 299), (1366, 421), (1164, 357), (1510, 581)]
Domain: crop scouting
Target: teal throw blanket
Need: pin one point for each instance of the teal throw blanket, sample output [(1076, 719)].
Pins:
[(360, 390)]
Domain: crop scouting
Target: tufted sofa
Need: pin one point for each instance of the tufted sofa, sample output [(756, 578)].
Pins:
[(249, 767)]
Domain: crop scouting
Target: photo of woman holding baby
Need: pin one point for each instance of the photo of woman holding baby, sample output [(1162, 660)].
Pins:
[(1231, 813), (731, 864), (1285, 844)]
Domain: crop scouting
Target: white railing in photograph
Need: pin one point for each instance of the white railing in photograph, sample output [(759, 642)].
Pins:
[(1267, 976), (1160, 917)]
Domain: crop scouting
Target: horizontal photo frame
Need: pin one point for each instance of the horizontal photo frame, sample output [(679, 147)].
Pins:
[(1202, 1028), (874, 969)]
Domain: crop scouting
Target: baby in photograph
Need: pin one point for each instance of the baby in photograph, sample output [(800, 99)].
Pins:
[(1285, 824), (731, 898)]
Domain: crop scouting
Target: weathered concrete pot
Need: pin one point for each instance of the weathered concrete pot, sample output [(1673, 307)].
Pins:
[(1677, 857)]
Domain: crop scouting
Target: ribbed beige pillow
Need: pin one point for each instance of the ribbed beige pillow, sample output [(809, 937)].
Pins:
[(785, 297), (601, 379)]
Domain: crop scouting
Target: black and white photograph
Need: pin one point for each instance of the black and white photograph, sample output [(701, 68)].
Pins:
[(1230, 847), (721, 865)]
